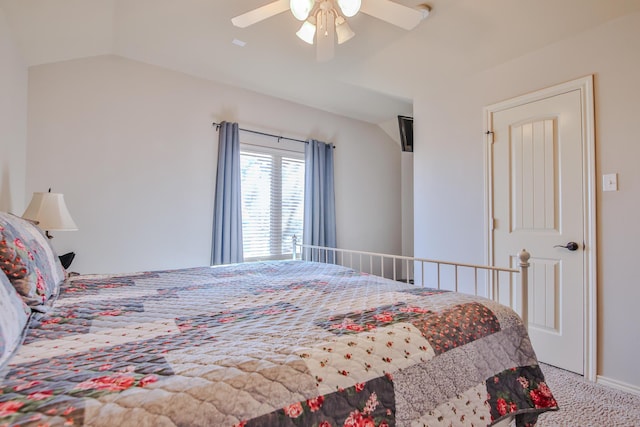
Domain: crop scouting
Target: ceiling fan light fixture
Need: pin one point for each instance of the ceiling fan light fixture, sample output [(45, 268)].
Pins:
[(307, 32), (324, 22), (349, 7), (343, 31), (301, 8)]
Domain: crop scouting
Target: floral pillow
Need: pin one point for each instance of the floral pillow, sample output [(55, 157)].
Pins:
[(13, 318), (28, 260)]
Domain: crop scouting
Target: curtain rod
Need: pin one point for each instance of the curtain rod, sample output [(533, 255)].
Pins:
[(217, 125)]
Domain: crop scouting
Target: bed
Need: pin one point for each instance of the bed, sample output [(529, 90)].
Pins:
[(278, 343)]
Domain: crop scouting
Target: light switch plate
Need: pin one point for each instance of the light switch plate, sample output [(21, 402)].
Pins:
[(610, 182)]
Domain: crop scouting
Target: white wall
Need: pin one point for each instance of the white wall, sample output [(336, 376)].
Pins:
[(407, 203), (406, 183), (132, 148), (449, 169), (13, 123)]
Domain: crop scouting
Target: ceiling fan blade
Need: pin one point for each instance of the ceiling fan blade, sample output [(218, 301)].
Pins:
[(394, 13), (260, 14), (325, 37)]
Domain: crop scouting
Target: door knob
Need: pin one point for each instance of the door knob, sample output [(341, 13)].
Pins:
[(572, 246)]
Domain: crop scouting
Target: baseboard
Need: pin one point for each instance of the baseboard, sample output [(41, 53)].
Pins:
[(619, 385)]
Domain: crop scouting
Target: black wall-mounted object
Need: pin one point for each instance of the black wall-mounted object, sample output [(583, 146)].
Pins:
[(406, 132), (66, 259)]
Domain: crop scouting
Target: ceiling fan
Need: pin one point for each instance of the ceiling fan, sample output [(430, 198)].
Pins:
[(325, 20)]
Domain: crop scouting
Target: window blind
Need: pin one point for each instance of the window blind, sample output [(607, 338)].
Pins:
[(272, 202)]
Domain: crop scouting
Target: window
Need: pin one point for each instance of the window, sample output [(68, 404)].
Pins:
[(272, 201)]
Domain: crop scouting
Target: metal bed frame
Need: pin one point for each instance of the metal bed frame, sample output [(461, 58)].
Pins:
[(432, 273)]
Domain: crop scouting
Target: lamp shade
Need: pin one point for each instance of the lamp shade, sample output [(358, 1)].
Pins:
[(301, 8), (349, 7), (307, 32), (344, 31), (50, 211)]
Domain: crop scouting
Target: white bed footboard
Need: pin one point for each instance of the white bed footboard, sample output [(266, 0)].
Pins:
[(481, 280)]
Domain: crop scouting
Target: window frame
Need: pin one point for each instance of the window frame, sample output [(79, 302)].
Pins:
[(276, 220)]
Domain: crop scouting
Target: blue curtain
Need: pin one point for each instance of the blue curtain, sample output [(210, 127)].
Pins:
[(319, 197), (227, 212)]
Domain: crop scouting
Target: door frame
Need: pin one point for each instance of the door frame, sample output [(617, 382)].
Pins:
[(585, 86)]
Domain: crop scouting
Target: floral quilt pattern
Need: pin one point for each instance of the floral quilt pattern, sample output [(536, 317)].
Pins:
[(28, 261), (270, 344)]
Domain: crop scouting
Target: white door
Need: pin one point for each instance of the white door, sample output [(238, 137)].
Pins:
[(538, 205)]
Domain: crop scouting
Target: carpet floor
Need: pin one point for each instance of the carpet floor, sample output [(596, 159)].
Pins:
[(586, 404)]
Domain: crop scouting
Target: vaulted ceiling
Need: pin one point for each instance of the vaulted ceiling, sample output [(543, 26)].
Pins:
[(373, 77)]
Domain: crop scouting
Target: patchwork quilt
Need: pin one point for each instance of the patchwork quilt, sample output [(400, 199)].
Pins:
[(286, 343)]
